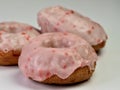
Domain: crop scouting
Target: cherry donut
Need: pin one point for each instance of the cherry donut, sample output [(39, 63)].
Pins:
[(58, 58), (13, 36), (59, 19)]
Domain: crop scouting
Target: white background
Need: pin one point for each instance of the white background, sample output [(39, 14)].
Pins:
[(106, 12)]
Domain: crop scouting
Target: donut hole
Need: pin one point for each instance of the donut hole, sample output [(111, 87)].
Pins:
[(62, 43)]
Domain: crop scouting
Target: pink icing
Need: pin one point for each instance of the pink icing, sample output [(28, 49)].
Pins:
[(55, 54), (61, 19), (14, 35)]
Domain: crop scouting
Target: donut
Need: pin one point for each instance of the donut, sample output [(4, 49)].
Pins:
[(58, 58), (13, 36), (60, 19)]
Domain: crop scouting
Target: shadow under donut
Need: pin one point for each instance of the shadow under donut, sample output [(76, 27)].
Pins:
[(34, 85)]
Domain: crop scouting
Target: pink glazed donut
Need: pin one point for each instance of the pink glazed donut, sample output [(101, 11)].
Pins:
[(59, 19), (58, 58), (13, 36)]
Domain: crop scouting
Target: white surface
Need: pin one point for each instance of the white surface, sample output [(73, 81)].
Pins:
[(106, 12)]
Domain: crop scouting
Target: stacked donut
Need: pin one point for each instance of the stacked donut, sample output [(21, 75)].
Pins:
[(65, 52)]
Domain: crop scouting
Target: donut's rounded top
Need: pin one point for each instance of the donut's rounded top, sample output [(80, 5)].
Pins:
[(57, 53), (58, 18), (13, 35)]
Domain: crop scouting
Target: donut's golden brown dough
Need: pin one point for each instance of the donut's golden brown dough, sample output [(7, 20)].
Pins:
[(99, 46), (79, 75), (9, 58)]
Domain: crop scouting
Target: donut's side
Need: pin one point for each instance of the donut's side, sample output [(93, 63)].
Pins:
[(99, 46), (9, 58), (79, 75)]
